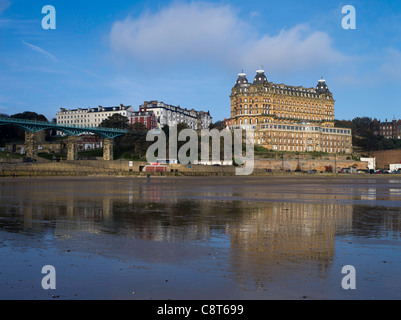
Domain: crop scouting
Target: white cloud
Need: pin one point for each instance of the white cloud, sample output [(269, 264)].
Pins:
[(191, 32), (41, 51), (382, 69), (199, 32), (391, 65), (294, 49), (254, 14), (4, 4)]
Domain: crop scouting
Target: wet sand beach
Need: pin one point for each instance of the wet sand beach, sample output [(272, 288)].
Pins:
[(219, 238)]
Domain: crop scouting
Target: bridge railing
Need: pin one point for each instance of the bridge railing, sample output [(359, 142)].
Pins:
[(56, 125)]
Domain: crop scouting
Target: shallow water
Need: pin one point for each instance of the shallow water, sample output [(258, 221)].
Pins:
[(200, 237)]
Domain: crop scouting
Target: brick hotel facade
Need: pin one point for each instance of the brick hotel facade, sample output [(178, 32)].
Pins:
[(287, 118), (147, 118)]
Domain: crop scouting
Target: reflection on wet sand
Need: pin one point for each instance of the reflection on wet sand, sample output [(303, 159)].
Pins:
[(257, 235), (288, 228), (152, 208), (270, 239)]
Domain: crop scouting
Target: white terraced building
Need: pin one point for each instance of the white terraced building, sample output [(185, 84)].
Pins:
[(172, 115), (91, 117)]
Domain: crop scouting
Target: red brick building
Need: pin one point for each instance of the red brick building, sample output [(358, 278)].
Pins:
[(87, 142), (148, 118), (389, 130)]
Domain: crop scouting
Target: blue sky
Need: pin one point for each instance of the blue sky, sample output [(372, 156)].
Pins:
[(189, 53)]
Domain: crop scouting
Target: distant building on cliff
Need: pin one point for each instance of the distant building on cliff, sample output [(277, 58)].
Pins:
[(287, 118), (387, 129)]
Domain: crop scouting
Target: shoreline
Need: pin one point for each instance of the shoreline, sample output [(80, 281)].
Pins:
[(203, 175)]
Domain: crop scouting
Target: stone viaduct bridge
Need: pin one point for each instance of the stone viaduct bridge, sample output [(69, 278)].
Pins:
[(31, 127)]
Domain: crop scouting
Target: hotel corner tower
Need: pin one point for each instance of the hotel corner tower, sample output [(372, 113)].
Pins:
[(287, 118)]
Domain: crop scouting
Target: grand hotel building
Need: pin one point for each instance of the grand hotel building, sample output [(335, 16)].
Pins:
[(287, 118)]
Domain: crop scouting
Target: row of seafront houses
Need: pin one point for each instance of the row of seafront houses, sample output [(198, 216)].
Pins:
[(152, 114)]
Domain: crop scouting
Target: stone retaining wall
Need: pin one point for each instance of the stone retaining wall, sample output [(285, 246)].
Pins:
[(386, 157), (305, 165), (100, 167)]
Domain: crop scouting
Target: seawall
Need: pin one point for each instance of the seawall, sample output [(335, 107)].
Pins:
[(100, 167)]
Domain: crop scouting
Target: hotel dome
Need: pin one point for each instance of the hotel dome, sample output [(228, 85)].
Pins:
[(260, 77), (322, 87), (242, 80)]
